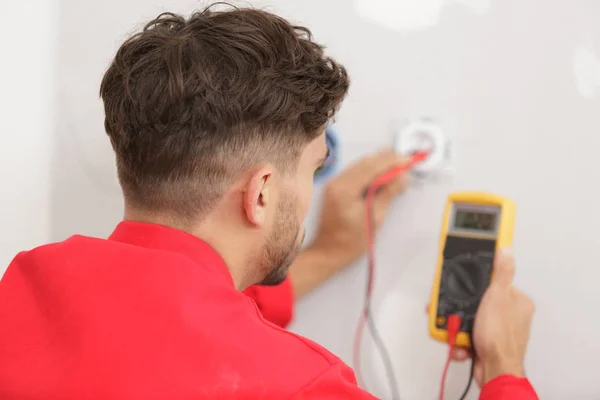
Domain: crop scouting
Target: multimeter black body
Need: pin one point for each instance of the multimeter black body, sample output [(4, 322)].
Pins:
[(475, 226)]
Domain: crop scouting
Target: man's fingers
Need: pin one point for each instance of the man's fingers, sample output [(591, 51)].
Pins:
[(460, 354), (504, 268), (358, 176), (387, 193), (384, 197), (478, 373)]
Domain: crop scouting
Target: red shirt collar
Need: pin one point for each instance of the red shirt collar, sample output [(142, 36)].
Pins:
[(160, 237)]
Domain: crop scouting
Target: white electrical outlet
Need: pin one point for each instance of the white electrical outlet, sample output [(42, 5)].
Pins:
[(424, 134)]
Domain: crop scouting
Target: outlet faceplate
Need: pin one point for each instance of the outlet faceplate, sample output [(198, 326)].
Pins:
[(425, 134)]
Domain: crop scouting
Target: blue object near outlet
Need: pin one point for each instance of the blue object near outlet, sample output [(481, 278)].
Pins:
[(331, 163)]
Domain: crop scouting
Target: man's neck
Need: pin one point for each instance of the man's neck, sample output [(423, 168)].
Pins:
[(223, 240)]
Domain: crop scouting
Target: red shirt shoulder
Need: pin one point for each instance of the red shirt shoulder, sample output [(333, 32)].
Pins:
[(150, 313), (276, 303)]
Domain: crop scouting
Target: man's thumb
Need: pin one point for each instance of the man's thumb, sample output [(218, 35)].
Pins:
[(504, 268)]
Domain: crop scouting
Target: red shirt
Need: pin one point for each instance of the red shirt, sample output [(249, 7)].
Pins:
[(152, 313)]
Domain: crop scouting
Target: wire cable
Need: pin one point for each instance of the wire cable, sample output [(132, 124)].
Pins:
[(454, 321), (473, 363), (445, 373), (366, 316), (471, 375), (453, 327)]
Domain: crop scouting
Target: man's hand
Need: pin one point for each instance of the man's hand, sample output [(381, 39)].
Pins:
[(341, 236), (341, 233), (502, 325)]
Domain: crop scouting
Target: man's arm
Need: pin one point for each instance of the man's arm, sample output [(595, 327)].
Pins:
[(312, 267)]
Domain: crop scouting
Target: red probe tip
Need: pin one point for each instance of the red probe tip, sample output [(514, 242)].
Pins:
[(453, 327), (420, 155)]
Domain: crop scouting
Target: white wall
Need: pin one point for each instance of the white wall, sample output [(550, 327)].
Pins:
[(515, 81), (27, 95)]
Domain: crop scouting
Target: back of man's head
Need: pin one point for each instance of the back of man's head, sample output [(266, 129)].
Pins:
[(190, 103)]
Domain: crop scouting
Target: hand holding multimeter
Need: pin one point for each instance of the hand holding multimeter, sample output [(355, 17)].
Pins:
[(473, 301), (502, 325), (474, 227)]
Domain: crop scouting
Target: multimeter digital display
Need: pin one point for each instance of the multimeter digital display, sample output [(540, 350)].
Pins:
[(477, 220), (475, 225)]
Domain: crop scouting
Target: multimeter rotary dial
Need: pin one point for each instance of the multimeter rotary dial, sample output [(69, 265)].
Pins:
[(465, 278)]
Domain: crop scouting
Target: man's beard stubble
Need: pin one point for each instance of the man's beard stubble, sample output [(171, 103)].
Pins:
[(283, 245)]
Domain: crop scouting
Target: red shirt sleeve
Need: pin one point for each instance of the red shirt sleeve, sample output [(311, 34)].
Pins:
[(276, 303), (337, 382), (508, 387)]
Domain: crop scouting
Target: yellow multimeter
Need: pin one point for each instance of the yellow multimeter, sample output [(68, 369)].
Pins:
[(475, 226)]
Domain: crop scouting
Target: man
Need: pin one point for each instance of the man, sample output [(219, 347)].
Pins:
[(217, 124)]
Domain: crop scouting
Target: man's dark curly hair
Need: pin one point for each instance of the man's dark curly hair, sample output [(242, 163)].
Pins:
[(191, 102)]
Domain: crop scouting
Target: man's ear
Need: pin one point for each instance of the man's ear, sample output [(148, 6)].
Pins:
[(259, 195)]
